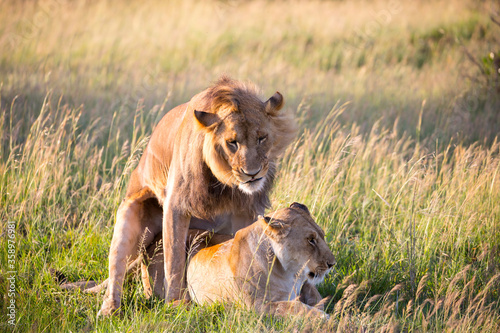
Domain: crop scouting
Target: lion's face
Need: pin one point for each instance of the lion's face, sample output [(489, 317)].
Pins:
[(300, 242), (244, 142), (239, 142)]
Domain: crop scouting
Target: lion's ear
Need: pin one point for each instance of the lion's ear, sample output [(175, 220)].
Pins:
[(300, 206), (276, 226), (206, 119), (274, 104)]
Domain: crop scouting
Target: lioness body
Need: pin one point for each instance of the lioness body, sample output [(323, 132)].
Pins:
[(267, 265), (210, 164)]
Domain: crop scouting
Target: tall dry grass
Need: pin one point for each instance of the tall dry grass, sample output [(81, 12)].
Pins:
[(365, 192), (407, 197), (385, 56)]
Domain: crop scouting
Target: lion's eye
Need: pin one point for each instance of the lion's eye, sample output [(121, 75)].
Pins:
[(262, 139), (312, 241), (233, 144)]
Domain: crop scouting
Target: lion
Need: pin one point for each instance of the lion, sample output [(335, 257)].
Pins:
[(210, 164), (270, 266)]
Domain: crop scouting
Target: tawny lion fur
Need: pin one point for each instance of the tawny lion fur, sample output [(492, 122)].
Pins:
[(265, 266), (209, 164)]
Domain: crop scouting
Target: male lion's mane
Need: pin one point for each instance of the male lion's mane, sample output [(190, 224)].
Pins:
[(204, 195)]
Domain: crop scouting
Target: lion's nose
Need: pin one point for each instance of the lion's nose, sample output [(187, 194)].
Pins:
[(330, 264), (251, 172)]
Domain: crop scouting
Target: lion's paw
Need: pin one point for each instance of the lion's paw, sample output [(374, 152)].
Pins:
[(108, 309)]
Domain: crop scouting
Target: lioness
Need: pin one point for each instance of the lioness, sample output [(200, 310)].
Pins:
[(210, 164), (266, 265)]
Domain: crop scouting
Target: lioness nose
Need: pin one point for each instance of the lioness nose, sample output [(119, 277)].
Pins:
[(251, 172), (330, 264)]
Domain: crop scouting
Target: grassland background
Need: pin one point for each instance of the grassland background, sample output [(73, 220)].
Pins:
[(397, 156)]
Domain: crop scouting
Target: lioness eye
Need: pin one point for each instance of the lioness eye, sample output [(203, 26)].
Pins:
[(262, 139), (312, 241), (233, 144)]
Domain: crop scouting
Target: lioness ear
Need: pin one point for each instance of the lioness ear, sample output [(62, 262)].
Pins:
[(268, 220), (276, 226), (206, 119), (274, 104), (300, 206)]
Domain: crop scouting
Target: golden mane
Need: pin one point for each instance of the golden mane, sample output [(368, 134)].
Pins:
[(227, 95)]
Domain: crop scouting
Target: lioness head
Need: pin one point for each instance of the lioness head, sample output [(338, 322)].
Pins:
[(243, 135), (299, 242)]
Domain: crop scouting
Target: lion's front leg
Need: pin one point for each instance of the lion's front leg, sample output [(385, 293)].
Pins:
[(286, 308), (175, 230), (310, 295)]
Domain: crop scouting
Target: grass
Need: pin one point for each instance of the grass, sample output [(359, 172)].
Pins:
[(397, 157)]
